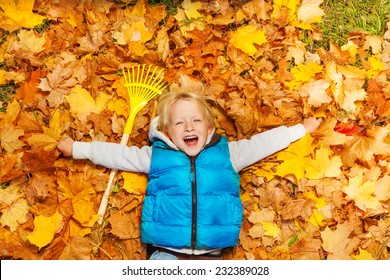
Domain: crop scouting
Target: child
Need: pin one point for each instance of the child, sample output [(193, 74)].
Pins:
[(192, 207)]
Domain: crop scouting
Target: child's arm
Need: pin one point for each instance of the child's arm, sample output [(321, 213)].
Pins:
[(247, 152), (110, 155)]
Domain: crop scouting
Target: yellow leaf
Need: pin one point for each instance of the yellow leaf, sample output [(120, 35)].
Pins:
[(303, 73), (264, 170), (363, 255), (324, 165), (319, 201), (30, 42), (14, 208), (135, 183), (9, 138), (191, 8), (271, 229), (47, 141), (309, 11), (316, 91), (15, 16), (84, 208), (78, 230), (82, 104), (291, 5), (377, 66), (45, 228), (295, 158), (335, 242), (361, 192), (316, 219), (246, 37)]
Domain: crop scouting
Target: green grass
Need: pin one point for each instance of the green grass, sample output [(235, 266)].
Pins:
[(345, 16)]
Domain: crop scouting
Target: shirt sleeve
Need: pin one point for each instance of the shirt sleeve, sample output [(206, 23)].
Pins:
[(248, 151), (114, 156)]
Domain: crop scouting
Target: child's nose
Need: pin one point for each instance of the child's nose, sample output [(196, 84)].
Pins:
[(188, 126)]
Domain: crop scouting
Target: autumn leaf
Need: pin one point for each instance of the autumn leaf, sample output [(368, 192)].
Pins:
[(9, 138), (363, 255), (361, 192), (309, 12), (14, 16), (14, 208), (303, 73), (246, 37), (365, 147), (30, 42), (295, 158), (45, 228), (316, 92), (84, 208), (82, 104), (135, 183), (335, 242), (324, 165), (191, 8)]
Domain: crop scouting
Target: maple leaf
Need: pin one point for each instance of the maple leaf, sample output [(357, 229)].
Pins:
[(84, 208), (295, 158), (363, 255), (15, 16), (365, 147), (9, 138), (77, 248), (376, 66), (135, 183), (316, 92), (125, 225), (59, 82), (246, 37), (382, 188), (13, 207), (324, 165), (361, 192), (28, 90), (348, 128), (191, 8), (271, 229), (303, 73), (45, 228), (335, 242), (82, 103), (309, 12), (30, 42)]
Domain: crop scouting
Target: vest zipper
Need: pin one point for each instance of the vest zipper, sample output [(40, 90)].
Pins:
[(194, 205)]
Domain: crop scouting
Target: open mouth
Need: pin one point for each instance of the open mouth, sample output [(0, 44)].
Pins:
[(191, 140)]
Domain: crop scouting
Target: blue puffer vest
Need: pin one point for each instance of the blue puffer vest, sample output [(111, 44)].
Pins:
[(192, 202)]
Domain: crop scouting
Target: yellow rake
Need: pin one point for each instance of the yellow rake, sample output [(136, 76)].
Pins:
[(143, 83)]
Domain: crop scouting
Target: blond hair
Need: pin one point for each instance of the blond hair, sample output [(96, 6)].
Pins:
[(166, 101)]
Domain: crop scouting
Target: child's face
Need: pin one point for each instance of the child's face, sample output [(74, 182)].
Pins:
[(187, 128)]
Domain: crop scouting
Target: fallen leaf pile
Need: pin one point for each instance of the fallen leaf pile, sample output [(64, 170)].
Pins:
[(326, 196)]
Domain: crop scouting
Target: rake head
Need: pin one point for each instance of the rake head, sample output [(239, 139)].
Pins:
[(143, 83)]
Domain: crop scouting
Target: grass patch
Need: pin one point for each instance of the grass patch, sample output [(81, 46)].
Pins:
[(345, 16), (7, 92)]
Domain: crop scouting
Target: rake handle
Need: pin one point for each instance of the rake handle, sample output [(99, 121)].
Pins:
[(108, 191)]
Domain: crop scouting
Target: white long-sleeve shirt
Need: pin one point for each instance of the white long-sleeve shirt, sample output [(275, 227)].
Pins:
[(243, 152)]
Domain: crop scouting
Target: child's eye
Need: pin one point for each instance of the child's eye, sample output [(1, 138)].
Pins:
[(197, 120), (179, 123)]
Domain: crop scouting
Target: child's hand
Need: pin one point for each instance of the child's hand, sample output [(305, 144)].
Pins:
[(311, 124), (66, 146)]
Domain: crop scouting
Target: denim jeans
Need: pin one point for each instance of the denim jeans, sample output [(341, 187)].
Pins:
[(157, 255)]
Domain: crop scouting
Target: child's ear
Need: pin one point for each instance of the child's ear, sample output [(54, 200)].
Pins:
[(210, 129)]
